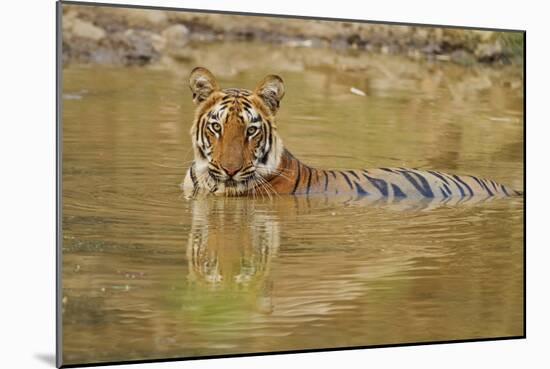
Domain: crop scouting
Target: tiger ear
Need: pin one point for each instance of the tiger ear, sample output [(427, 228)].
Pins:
[(271, 90), (202, 83)]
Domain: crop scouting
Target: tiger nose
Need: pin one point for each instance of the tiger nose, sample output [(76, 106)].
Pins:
[(231, 170)]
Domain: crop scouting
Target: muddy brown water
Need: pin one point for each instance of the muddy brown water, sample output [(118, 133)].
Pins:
[(148, 274)]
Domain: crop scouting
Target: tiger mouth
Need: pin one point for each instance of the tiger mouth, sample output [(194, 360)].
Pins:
[(232, 183), (232, 186)]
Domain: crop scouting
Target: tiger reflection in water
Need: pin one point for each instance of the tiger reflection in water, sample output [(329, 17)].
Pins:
[(233, 243), (231, 246)]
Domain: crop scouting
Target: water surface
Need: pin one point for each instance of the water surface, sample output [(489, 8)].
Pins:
[(148, 274)]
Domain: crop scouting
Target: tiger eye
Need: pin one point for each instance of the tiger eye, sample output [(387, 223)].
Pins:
[(251, 130), (216, 127)]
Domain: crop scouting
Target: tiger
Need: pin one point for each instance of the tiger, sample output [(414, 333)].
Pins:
[(238, 152)]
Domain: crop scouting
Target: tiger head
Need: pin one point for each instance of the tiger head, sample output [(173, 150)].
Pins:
[(236, 146)]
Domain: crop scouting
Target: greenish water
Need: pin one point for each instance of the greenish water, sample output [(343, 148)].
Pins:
[(148, 274)]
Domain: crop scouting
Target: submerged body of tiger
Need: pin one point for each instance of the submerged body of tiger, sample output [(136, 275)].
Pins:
[(239, 153)]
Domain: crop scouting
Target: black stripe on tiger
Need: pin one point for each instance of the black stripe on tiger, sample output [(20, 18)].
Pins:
[(192, 175), (465, 184), (197, 131), (397, 192), (446, 190), (486, 182), (269, 136), (256, 119), (360, 190), (347, 179), (380, 184), (424, 187), (462, 193), (504, 190), (224, 105), (207, 143), (308, 180), (297, 179), (353, 174), (438, 175), (326, 180), (483, 185), (200, 139), (203, 154), (268, 145)]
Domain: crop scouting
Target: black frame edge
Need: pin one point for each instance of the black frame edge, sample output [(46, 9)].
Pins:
[(525, 184), (58, 185), (306, 351)]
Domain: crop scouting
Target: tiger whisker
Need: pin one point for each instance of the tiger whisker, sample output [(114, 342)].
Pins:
[(272, 189), (266, 186), (255, 183), (282, 175), (276, 172), (262, 188), (270, 186)]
